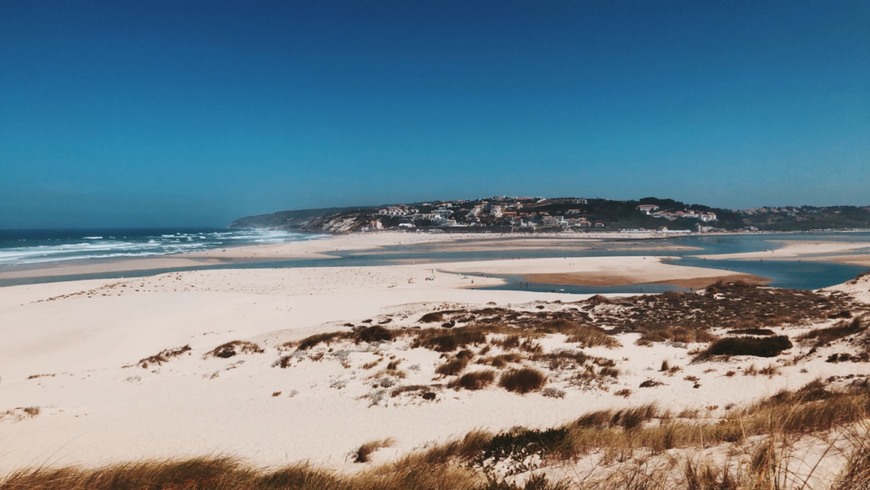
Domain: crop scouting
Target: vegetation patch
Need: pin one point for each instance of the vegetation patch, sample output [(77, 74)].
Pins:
[(475, 380), (523, 380), (362, 454), (746, 346), (234, 348), (20, 413), (163, 356), (373, 334), (823, 336), (449, 340), (452, 367), (321, 338)]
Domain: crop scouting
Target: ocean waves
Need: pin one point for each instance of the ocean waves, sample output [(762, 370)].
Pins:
[(46, 246)]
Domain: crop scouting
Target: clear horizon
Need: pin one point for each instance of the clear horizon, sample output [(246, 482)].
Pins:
[(173, 114)]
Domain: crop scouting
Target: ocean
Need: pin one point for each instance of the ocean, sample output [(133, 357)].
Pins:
[(26, 247)]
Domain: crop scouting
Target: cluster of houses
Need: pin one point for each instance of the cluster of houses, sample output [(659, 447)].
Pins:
[(512, 213), (499, 211), (654, 211)]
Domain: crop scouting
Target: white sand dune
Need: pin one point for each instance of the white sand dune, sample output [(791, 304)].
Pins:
[(71, 349)]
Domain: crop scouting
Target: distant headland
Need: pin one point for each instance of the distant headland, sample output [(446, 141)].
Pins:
[(541, 214)]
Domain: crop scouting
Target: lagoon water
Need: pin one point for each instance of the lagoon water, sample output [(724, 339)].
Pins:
[(30, 248)]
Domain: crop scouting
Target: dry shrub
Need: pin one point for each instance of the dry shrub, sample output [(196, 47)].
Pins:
[(452, 367), (162, 356), (523, 380), (435, 316), (706, 476), (463, 449), (769, 371), (518, 444), (509, 342), (501, 360), (857, 471), (650, 383), (585, 335), (627, 418), (199, 473), (373, 334), (553, 392), (824, 336), (229, 474), (475, 380), (746, 346), (20, 413), (678, 334), (234, 348), (449, 340), (562, 359), (362, 454), (320, 338), (425, 391)]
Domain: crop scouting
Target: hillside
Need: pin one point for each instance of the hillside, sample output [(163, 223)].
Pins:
[(526, 214)]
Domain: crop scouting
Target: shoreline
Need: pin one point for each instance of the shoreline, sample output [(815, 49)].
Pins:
[(374, 243)]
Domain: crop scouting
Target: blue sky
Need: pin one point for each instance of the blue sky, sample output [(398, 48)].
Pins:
[(177, 113)]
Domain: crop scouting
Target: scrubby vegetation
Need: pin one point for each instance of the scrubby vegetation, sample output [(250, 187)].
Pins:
[(476, 380), (552, 339), (523, 380), (746, 346), (843, 329), (361, 455), (234, 348), (163, 356)]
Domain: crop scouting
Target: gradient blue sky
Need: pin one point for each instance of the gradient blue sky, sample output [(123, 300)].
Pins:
[(175, 113)]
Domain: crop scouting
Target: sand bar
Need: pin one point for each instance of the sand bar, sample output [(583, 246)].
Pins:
[(603, 271), (796, 249)]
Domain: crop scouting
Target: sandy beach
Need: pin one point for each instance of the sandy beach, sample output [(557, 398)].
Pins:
[(79, 352)]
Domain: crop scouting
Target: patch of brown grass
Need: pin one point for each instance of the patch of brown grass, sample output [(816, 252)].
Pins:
[(522, 380), (449, 340), (373, 334), (824, 336), (475, 380), (163, 356), (452, 367), (501, 360), (234, 348), (321, 338), (361, 455), (229, 474)]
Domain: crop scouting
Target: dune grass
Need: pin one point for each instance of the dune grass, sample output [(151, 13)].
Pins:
[(627, 439), (234, 348), (162, 357)]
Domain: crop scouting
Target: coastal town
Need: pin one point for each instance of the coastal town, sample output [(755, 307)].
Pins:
[(504, 214), (520, 214)]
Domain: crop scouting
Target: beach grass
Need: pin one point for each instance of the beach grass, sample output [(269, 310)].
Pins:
[(632, 443)]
